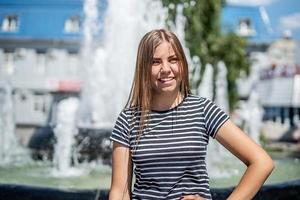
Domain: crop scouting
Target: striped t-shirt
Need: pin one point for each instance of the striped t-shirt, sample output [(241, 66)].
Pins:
[(169, 157)]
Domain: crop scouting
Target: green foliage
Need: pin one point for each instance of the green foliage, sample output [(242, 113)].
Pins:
[(204, 39)]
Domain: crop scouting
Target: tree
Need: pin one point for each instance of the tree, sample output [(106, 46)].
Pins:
[(204, 39)]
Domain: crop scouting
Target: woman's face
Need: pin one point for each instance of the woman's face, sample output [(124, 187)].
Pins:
[(165, 77)]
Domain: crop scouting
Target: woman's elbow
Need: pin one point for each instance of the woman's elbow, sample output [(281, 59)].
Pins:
[(267, 164), (270, 165)]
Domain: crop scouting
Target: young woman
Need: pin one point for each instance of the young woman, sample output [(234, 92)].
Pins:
[(163, 132)]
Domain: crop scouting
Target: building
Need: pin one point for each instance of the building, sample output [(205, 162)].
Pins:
[(40, 55), (251, 22), (283, 51), (274, 60), (280, 83)]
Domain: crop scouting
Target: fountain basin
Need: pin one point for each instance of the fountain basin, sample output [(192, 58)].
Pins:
[(92, 176), (286, 190), (91, 144)]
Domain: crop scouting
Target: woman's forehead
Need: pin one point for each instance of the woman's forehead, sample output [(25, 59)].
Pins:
[(164, 49)]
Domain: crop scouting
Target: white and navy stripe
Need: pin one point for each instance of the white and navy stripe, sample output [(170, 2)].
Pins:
[(169, 157)]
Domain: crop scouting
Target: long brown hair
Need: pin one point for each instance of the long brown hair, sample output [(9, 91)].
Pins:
[(141, 91)]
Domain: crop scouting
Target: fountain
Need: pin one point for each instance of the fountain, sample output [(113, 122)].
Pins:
[(7, 139), (221, 87), (64, 131), (10, 151), (113, 62), (205, 89)]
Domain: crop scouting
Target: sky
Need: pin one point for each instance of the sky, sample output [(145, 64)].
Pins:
[(283, 15)]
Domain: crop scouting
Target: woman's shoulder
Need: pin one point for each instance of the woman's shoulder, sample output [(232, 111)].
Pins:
[(197, 99), (130, 110)]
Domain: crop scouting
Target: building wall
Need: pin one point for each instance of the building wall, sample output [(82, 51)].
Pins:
[(46, 23), (39, 58), (283, 52)]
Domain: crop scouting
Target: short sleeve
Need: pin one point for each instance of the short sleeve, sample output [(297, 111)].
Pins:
[(214, 117), (120, 132)]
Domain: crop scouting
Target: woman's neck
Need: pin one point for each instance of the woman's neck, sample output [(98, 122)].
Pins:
[(166, 102)]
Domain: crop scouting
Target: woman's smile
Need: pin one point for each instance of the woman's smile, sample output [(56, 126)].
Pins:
[(166, 80)]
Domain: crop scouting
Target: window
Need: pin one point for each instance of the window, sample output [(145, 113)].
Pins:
[(10, 23), (40, 103), (41, 62), (9, 67), (245, 28), (72, 25)]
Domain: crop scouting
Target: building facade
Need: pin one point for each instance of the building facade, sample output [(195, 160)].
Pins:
[(40, 59), (273, 59)]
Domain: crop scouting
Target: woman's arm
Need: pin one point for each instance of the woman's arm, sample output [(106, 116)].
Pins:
[(259, 164), (121, 173)]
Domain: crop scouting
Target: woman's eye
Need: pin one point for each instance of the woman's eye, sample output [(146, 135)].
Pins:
[(155, 62), (173, 60)]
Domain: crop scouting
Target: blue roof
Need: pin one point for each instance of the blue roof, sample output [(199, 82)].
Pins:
[(233, 14), (43, 19)]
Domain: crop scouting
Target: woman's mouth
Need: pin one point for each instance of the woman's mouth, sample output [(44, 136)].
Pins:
[(166, 80)]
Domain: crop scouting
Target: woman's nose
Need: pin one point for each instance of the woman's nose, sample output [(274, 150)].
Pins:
[(165, 67)]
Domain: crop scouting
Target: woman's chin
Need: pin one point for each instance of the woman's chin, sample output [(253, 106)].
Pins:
[(168, 90)]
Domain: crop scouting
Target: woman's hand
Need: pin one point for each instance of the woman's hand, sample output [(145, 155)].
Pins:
[(192, 197)]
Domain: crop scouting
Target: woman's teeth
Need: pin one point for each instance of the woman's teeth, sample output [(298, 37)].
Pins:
[(166, 79)]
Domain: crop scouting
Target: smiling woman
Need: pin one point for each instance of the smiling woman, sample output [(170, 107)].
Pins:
[(163, 132)]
